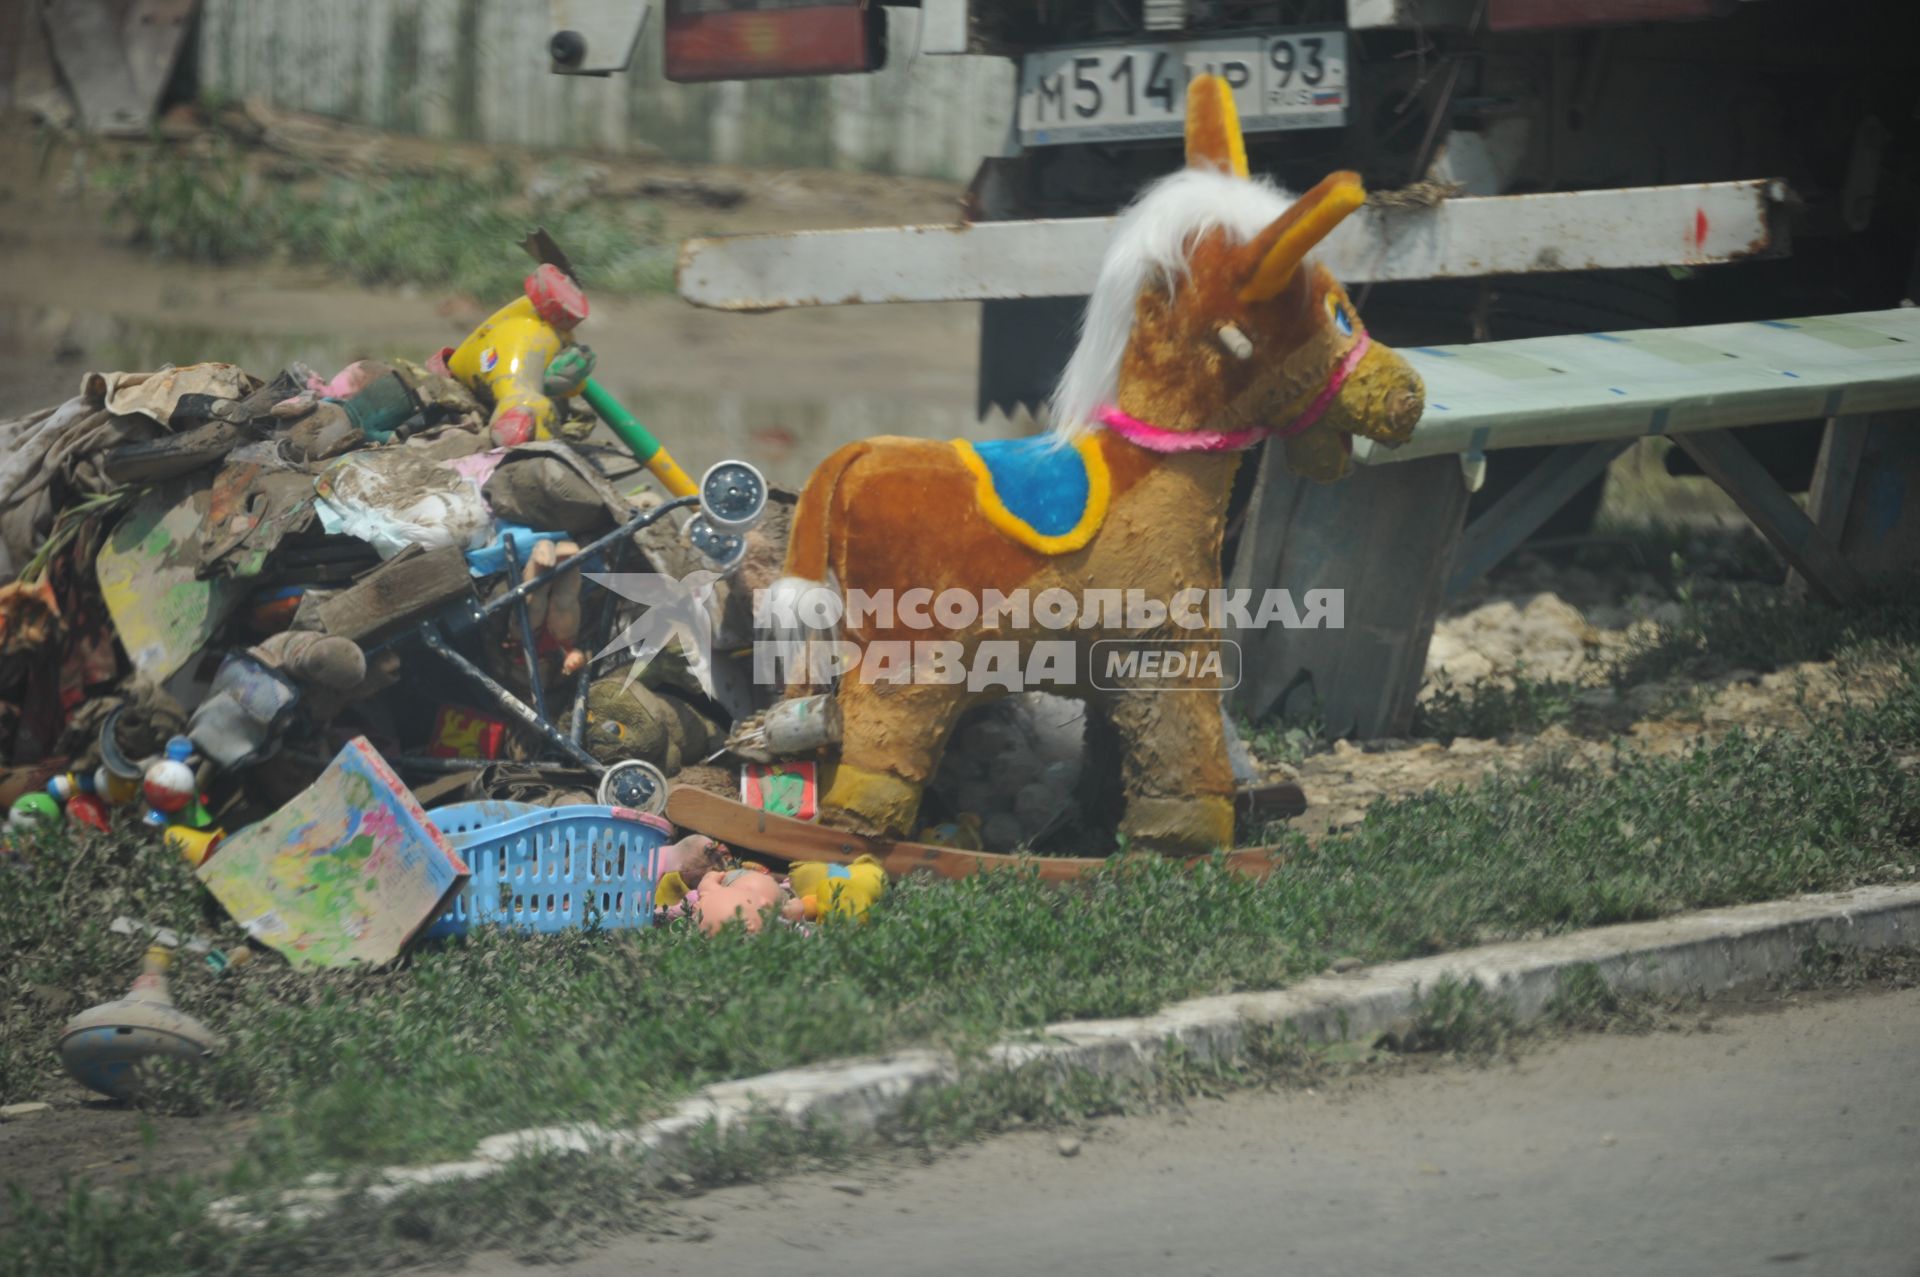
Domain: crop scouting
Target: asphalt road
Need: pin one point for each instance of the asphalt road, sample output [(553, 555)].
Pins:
[(1779, 1143)]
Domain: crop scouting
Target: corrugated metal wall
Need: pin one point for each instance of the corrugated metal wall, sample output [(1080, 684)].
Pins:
[(478, 69)]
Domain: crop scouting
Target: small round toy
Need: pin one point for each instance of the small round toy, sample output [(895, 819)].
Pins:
[(105, 1048), (30, 811), (634, 783), (169, 784), (733, 496), (114, 790), (88, 810), (63, 787), (721, 550)]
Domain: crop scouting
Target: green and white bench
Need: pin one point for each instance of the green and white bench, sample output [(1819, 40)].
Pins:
[(1392, 535)]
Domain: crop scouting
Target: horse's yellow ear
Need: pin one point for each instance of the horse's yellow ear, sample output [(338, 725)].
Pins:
[(1213, 127), (1269, 260)]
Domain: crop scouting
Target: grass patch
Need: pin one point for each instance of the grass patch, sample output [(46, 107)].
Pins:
[(1278, 742), (1766, 630), (506, 1030), (544, 1209), (449, 228), (1494, 708)]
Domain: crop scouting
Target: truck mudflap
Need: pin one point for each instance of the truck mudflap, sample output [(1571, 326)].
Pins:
[(1689, 225)]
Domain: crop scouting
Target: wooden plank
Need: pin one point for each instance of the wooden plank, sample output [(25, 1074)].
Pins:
[(784, 838), (1834, 474), (1060, 257), (173, 455), (153, 34), (1658, 381), (1524, 507), (1384, 536), (1782, 522), (86, 43), (400, 593)]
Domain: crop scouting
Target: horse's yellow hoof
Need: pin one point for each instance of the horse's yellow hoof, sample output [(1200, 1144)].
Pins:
[(1179, 826), (870, 801)]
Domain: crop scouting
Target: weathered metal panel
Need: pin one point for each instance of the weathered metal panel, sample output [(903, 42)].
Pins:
[(480, 69), (1500, 235), (1671, 381), (943, 26)]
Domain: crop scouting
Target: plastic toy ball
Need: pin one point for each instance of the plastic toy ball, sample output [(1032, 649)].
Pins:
[(33, 810), (115, 791), (169, 783)]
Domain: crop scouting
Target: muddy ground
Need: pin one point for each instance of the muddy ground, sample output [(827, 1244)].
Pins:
[(783, 389)]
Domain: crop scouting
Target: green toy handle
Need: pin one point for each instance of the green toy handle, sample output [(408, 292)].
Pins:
[(627, 428)]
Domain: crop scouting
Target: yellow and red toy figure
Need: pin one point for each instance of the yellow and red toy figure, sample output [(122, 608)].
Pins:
[(507, 357)]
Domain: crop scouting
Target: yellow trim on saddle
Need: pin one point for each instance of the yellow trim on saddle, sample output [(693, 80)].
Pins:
[(1099, 489)]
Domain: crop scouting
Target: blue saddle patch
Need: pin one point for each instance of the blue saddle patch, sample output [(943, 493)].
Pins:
[(1045, 496)]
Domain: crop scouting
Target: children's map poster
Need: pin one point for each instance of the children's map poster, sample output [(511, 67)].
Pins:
[(348, 871)]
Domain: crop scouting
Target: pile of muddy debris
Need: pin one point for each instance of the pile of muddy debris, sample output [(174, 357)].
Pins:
[(384, 653), (216, 583)]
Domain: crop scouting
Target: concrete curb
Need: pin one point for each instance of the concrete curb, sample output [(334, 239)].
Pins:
[(1697, 952)]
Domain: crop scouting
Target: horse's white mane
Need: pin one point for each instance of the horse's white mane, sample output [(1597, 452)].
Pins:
[(1152, 238)]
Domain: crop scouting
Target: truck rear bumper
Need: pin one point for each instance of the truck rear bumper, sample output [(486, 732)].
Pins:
[(1692, 225)]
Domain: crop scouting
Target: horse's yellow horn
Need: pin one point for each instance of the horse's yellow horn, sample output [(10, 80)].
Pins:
[(1271, 257), (1213, 127)]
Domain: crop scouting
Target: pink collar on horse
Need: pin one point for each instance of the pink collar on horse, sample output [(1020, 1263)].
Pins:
[(1160, 439)]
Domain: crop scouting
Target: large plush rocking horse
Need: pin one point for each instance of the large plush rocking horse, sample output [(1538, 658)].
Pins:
[(1208, 331)]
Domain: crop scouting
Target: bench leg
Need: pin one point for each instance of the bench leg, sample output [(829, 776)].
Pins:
[(1785, 524), (1383, 536), (1842, 446), (1530, 503)]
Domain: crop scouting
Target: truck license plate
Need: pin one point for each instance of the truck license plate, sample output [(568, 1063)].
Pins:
[(1293, 79)]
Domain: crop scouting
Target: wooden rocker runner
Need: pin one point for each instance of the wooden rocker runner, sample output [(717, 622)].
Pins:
[(784, 838)]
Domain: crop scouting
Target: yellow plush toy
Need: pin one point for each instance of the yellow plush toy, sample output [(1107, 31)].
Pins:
[(842, 889)]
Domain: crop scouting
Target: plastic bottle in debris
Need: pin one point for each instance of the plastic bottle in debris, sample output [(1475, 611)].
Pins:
[(797, 726)]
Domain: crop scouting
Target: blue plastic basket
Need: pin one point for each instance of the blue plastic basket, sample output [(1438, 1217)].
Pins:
[(546, 869), (457, 819)]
